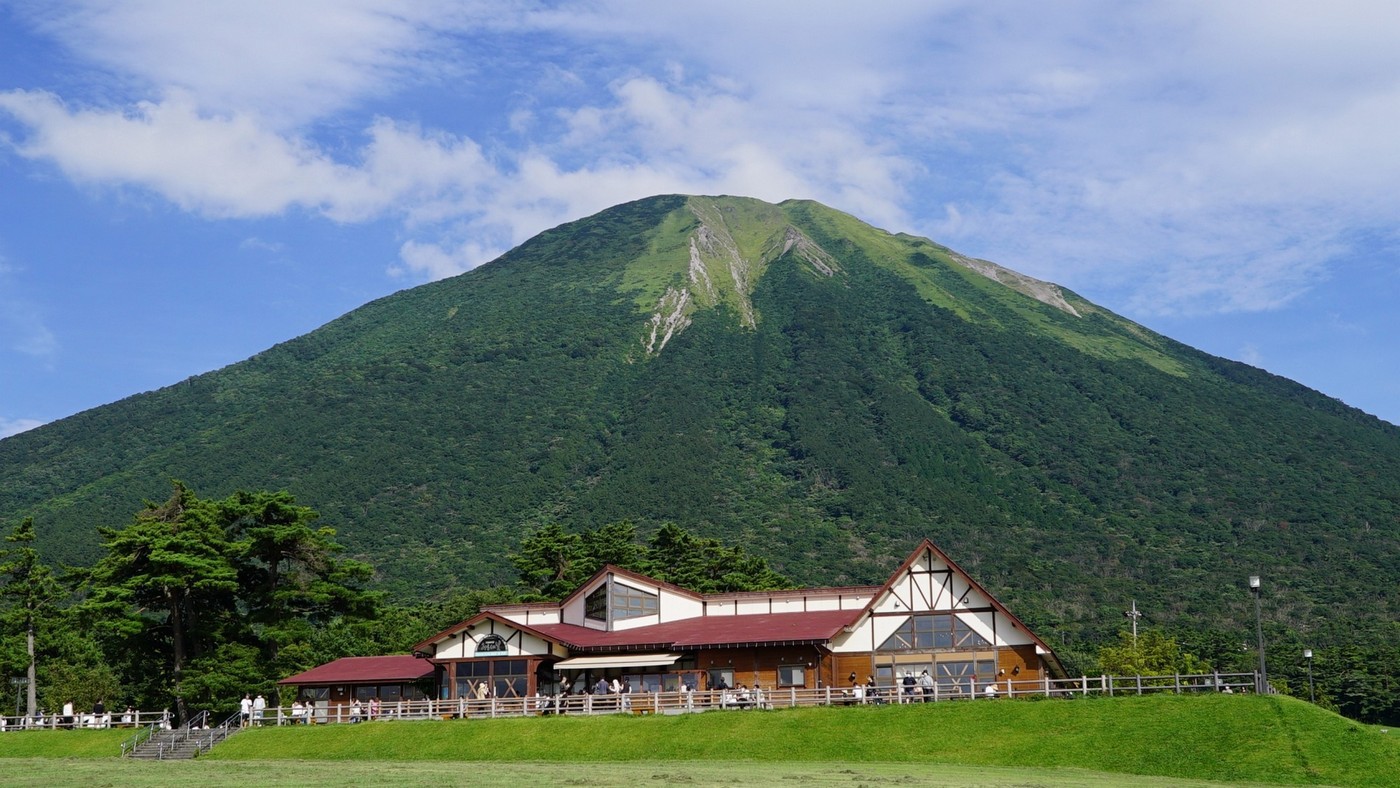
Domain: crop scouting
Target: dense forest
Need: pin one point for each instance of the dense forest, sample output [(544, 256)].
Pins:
[(822, 394)]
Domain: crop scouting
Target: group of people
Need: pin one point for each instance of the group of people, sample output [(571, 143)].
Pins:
[(922, 686), (622, 688), (251, 709), (742, 697), (98, 717)]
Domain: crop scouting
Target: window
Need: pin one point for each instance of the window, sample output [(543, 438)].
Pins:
[(631, 602), (595, 605), (507, 678), (792, 676), (956, 678), (718, 678), (938, 630), (625, 602), (511, 679)]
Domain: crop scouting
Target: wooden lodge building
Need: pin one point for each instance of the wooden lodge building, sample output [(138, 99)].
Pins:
[(929, 616)]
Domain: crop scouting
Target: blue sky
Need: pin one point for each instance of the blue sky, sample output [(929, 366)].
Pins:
[(184, 184)]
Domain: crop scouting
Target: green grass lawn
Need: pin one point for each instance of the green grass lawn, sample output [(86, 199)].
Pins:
[(1234, 739), (692, 774)]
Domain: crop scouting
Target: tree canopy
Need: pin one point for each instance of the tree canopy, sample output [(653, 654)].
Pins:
[(204, 600), (552, 562)]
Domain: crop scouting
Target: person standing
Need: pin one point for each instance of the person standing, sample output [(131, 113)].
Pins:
[(99, 714), (245, 711), (66, 717), (926, 686), (259, 706)]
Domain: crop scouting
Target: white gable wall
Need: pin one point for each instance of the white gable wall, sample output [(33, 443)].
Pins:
[(463, 643), (930, 585)]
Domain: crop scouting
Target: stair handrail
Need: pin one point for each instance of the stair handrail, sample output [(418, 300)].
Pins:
[(197, 722), (220, 732), (129, 746)]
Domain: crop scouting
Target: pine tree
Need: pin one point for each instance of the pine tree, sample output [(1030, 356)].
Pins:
[(33, 595)]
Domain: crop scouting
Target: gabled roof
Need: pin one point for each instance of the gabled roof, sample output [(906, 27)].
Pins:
[(365, 670), (485, 615), (926, 544), (726, 631), (630, 575)]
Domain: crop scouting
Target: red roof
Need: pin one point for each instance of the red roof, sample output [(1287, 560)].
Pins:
[(711, 631), (365, 670)]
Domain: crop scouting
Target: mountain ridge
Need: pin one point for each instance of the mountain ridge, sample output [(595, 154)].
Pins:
[(785, 377)]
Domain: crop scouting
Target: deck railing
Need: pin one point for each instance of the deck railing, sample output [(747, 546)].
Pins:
[(118, 719), (677, 702), (680, 702)]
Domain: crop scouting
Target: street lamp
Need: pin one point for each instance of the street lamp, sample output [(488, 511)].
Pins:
[(1307, 654), (1259, 631)]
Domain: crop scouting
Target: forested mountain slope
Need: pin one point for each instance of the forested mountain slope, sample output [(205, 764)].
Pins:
[(786, 378)]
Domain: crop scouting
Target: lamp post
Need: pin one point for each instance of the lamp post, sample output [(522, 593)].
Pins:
[(1134, 614), (1307, 654), (1259, 631)]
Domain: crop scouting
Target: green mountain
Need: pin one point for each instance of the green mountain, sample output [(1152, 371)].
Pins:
[(786, 378)]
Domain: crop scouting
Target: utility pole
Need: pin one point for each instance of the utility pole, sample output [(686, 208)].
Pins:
[(1307, 654), (1254, 584), (1134, 614)]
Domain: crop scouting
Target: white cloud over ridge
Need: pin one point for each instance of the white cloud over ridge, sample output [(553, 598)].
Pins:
[(10, 427), (1196, 157)]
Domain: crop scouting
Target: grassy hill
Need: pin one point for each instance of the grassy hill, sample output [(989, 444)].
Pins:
[(792, 380), (1235, 739)]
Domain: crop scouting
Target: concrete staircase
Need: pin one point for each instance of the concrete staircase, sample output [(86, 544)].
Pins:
[(182, 743)]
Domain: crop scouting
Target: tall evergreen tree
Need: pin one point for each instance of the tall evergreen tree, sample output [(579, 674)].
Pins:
[(31, 594), (167, 575), (290, 576), (203, 599)]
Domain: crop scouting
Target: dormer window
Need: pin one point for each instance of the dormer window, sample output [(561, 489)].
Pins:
[(613, 601)]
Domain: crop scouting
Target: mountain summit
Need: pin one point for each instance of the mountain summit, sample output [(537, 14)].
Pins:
[(785, 377)]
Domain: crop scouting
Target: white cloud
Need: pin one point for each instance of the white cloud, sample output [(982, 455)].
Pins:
[(431, 261), (285, 62), (254, 243), (230, 167), (1197, 157), (10, 427)]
